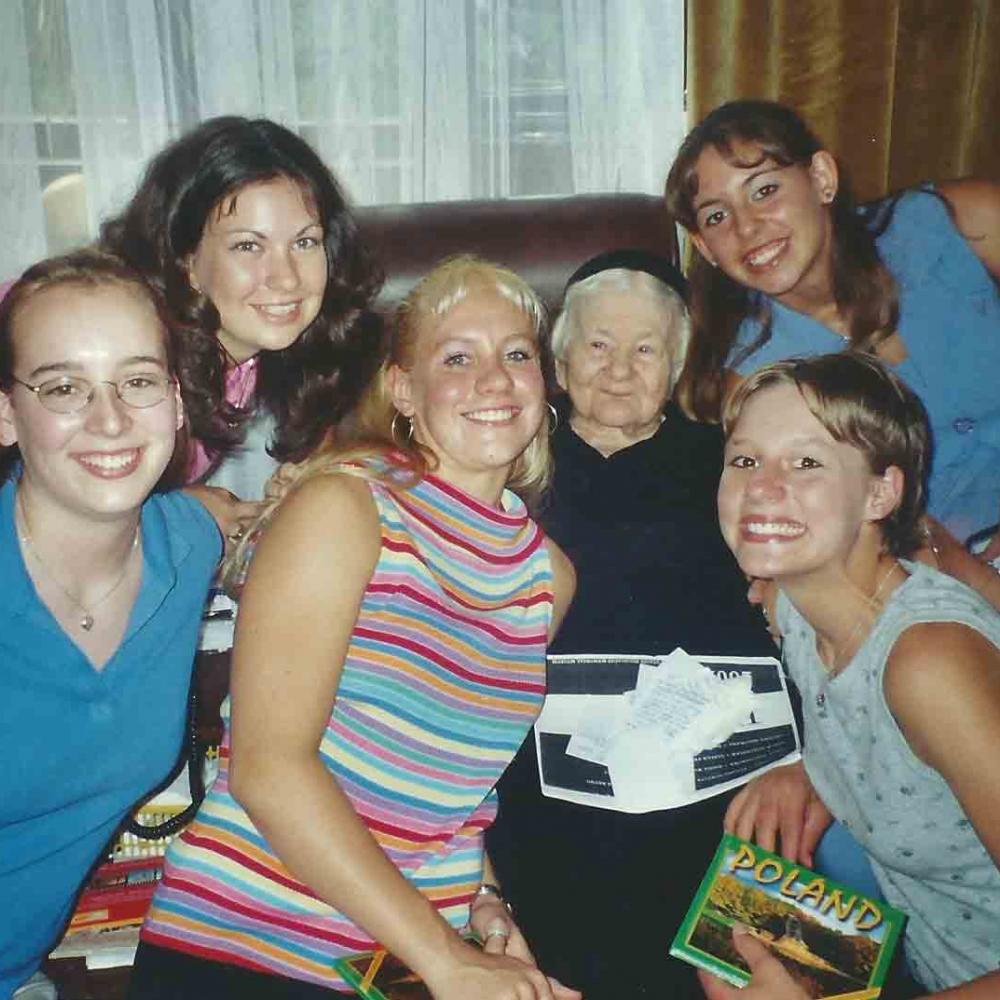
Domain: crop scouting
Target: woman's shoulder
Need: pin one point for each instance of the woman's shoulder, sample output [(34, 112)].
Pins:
[(322, 517), (329, 496), (932, 204), (906, 207), (180, 536), (911, 224), (929, 591), (928, 613), (919, 239), (940, 668)]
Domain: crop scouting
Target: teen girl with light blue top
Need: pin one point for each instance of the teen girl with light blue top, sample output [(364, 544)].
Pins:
[(788, 266)]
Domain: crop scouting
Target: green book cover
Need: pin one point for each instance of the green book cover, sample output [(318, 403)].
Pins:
[(392, 981), (834, 941)]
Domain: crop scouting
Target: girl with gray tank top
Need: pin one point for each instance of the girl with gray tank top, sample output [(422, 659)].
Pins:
[(823, 493)]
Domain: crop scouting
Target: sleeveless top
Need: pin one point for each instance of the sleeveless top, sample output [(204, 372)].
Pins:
[(924, 850), (443, 677), (950, 323)]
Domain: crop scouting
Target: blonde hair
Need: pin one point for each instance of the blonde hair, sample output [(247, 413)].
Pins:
[(453, 280), (372, 429)]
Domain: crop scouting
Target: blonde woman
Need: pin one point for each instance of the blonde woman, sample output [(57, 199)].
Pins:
[(389, 660)]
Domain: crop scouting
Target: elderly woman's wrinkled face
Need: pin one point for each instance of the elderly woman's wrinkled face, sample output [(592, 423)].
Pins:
[(617, 368)]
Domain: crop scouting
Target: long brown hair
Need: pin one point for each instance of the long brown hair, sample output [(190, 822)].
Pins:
[(865, 292), (318, 376)]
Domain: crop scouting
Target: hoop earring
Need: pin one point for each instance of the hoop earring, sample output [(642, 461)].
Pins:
[(394, 431), (555, 418)]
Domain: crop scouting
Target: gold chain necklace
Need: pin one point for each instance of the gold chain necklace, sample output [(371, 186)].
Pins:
[(87, 620), (834, 671)]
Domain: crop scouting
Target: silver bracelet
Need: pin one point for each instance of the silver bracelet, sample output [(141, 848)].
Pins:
[(489, 889)]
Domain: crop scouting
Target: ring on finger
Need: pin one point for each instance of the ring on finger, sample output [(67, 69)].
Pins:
[(497, 932), (237, 533)]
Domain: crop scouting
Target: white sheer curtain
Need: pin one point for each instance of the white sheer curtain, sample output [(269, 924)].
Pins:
[(407, 100)]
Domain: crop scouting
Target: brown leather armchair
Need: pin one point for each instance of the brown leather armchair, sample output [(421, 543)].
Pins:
[(542, 239)]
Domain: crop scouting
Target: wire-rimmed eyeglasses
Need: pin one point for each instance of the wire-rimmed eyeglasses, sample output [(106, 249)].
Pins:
[(71, 394)]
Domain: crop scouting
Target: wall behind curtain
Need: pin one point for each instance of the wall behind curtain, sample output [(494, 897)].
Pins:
[(901, 90), (407, 100)]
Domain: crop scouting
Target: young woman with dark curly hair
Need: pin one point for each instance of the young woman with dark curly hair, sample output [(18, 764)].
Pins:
[(251, 240)]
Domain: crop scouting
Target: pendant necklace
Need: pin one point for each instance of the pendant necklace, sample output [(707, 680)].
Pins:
[(834, 671), (86, 620)]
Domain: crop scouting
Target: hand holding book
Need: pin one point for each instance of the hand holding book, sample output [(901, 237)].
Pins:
[(781, 932), (769, 979)]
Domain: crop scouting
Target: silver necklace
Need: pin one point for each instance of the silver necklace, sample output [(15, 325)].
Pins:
[(834, 671), (87, 620)]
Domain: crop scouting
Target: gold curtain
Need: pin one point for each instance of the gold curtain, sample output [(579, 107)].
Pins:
[(901, 90)]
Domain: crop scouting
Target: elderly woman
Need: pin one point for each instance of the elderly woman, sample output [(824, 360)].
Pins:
[(599, 893)]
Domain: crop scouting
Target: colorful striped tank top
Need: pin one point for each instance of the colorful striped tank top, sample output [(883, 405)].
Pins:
[(444, 676)]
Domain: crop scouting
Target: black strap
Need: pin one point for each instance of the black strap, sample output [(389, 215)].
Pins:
[(192, 756)]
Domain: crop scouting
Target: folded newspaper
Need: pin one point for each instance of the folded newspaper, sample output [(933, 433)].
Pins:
[(640, 733)]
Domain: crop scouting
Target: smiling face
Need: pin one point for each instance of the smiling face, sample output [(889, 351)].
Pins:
[(769, 227), (474, 391), (792, 500), (617, 368), (104, 460), (262, 263)]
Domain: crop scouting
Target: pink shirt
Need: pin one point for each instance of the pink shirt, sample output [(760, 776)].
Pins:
[(241, 381)]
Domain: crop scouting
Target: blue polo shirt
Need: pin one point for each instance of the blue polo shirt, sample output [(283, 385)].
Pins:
[(80, 747)]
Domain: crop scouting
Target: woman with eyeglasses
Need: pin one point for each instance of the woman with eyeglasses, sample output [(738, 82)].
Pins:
[(103, 581)]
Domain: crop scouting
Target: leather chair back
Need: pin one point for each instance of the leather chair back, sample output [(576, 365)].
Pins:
[(543, 240)]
